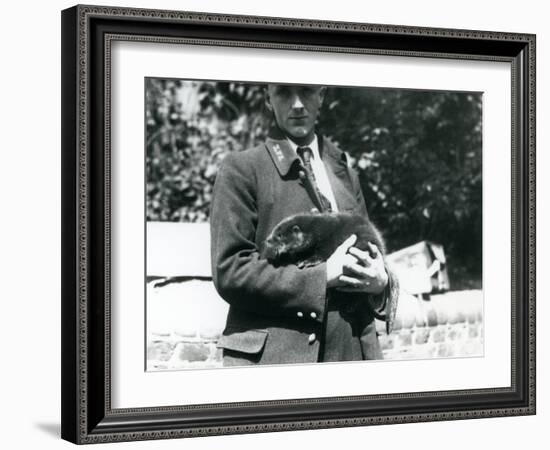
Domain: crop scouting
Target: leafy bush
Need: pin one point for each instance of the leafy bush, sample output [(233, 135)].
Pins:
[(191, 126), (418, 155)]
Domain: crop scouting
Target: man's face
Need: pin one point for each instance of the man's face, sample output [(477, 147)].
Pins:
[(295, 109)]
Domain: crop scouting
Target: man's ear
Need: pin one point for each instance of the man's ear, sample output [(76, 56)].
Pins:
[(322, 92), (267, 100)]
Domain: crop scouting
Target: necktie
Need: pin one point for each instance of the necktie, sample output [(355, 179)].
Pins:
[(305, 153)]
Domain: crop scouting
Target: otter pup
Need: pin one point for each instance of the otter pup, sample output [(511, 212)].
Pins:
[(310, 238)]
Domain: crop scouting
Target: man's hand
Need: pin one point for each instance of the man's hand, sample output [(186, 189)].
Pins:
[(353, 270), (366, 274), (338, 261)]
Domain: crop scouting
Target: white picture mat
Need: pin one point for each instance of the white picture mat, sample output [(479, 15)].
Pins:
[(133, 387)]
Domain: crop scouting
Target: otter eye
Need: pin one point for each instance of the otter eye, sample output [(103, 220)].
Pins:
[(296, 229)]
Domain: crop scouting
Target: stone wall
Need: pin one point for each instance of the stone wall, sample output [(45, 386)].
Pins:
[(185, 320), (447, 325)]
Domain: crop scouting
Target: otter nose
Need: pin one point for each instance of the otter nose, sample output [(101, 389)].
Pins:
[(271, 252)]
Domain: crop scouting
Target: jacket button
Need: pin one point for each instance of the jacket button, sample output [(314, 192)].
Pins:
[(300, 314), (313, 315), (311, 338)]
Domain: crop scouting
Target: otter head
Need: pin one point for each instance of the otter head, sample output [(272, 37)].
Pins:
[(287, 242)]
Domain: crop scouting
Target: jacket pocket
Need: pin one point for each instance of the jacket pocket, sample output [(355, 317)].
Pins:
[(245, 341)]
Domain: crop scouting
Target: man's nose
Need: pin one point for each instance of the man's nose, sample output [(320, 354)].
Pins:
[(297, 103)]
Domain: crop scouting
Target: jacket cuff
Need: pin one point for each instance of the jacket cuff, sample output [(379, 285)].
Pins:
[(315, 288), (387, 301)]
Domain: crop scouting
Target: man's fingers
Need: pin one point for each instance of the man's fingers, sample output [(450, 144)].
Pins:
[(359, 271), (352, 268), (351, 282), (374, 249), (347, 243), (363, 256)]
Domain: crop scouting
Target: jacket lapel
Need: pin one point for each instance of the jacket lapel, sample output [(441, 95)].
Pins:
[(336, 164), (282, 154)]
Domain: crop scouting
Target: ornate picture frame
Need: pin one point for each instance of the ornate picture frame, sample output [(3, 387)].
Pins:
[(88, 34)]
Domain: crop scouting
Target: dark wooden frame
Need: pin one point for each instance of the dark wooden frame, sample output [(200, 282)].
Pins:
[(87, 32)]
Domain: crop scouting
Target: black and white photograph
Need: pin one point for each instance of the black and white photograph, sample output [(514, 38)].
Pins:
[(280, 224), (275, 225), (296, 224)]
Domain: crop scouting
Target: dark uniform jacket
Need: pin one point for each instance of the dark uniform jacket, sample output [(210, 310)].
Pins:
[(284, 314)]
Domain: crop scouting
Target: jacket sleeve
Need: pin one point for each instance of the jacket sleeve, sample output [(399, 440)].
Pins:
[(387, 301), (384, 305), (240, 276)]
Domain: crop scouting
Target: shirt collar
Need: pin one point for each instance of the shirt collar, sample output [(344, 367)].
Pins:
[(313, 145), (283, 151)]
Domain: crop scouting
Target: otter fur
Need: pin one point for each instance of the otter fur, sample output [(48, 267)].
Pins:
[(310, 238)]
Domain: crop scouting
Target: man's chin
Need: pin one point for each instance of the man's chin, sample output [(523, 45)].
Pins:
[(298, 134)]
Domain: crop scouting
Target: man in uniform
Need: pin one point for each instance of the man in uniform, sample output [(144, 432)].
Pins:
[(290, 314)]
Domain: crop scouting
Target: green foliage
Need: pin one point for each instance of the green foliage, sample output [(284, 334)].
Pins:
[(418, 154)]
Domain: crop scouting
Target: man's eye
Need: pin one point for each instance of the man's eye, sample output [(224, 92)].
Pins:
[(307, 91), (283, 92)]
